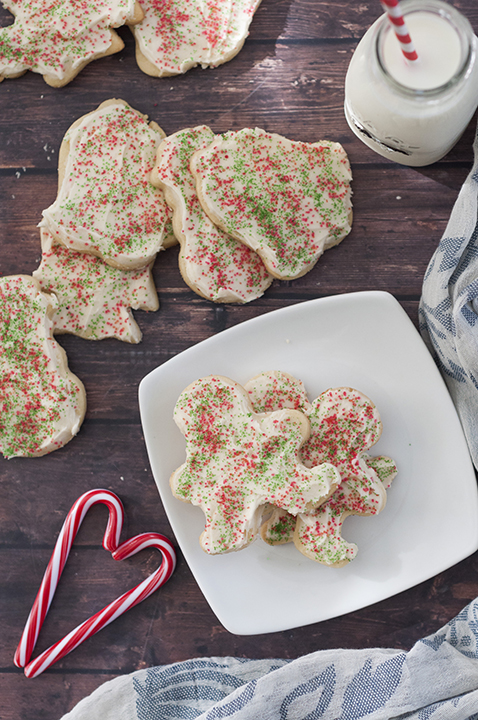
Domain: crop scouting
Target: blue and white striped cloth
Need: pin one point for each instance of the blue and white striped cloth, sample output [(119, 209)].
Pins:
[(437, 680), (449, 306)]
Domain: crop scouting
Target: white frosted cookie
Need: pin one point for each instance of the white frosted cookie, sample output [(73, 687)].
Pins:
[(42, 403), (274, 390), (94, 299), (345, 424), (212, 263), (106, 204), (383, 466), (237, 461), (268, 392), (58, 38), (287, 200), (177, 35)]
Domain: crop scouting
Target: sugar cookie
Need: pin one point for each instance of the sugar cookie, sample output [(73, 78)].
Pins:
[(94, 299), (212, 263), (177, 35), (286, 200), (42, 404), (345, 424), (106, 204), (238, 460), (58, 38)]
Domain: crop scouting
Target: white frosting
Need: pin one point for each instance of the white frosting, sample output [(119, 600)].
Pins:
[(55, 37), (213, 263), (287, 200), (106, 204), (43, 404), (94, 299), (180, 34)]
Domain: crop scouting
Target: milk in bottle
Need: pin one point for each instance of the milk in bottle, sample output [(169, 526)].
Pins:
[(414, 111)]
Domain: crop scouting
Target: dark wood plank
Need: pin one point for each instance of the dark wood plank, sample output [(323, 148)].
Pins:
[(289, 79)]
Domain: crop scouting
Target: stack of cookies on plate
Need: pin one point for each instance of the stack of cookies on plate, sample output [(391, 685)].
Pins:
[(264, 460)]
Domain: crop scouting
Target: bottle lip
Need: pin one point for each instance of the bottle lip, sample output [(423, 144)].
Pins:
[(464, 31)]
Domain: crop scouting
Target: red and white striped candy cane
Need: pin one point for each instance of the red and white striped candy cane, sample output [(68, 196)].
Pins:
[(110, 612), (392, 8), (59, 557)]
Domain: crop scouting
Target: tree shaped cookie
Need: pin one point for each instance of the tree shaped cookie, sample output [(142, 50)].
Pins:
[(345, 424), (238, 460), (42, 404), (57, 38), (212, 263), (94, 299), (287, 200), (177, 35), (106, 204)]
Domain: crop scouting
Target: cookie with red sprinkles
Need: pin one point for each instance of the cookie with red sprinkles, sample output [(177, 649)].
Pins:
[(345, 424), (177, 35), (213, 264), (58, 38), (287, 200), (238, 461), (106, 204), (42, 403), (94, 299)]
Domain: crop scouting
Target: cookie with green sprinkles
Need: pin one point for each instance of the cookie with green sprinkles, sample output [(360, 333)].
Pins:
[(177, 35), (287, 200), (58, 38), (239, 461), (106, 204), (94, 299), (42, 403), (213, 264), (344, 424)]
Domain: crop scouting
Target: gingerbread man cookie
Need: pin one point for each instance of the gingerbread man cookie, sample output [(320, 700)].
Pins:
[(57, 38), (237, 461), (345, 424), (287, 200), (42, 404), (212, 263)]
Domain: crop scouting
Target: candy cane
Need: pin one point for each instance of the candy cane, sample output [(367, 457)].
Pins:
[(110, 612)]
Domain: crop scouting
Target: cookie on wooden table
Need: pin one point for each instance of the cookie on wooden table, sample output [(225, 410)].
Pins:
[(177, 35), (94, 299), (285, 199), (212, 263), (106, 204), (58, 38), (42, 403)]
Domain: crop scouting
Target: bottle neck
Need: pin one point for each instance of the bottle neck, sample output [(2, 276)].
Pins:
[(445, 44)]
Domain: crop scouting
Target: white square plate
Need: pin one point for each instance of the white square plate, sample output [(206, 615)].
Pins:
[(362, 340)]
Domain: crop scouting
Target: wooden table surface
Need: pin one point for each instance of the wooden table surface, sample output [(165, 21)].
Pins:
[(288, 78)]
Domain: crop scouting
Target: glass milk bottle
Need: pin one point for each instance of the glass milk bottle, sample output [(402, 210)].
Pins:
[(414, 111)]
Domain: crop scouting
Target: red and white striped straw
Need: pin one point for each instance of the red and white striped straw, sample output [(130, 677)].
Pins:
[(392, 8), (55, 567)]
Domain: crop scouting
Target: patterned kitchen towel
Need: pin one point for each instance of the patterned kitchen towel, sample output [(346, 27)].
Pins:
[(448, 313), (436, 680)]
